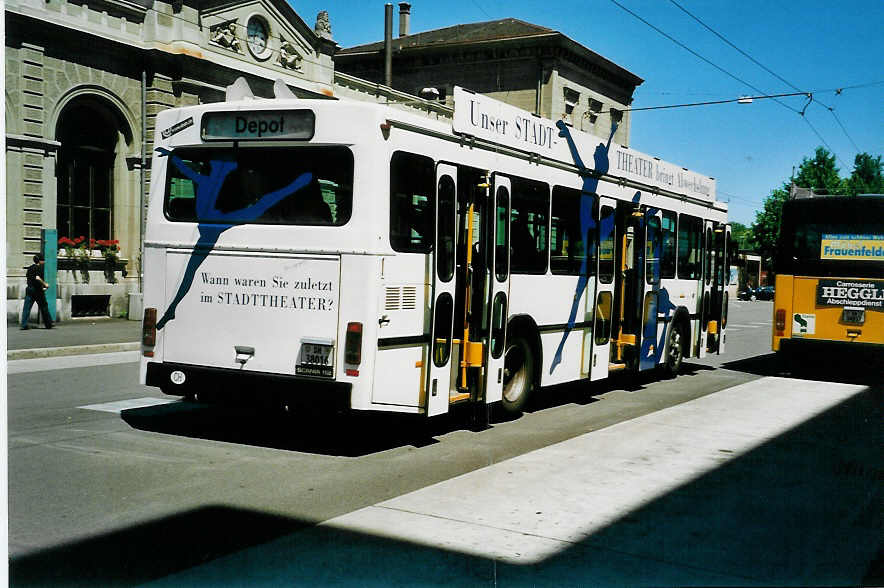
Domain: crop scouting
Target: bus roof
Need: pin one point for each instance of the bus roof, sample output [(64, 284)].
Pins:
[(485, 122)]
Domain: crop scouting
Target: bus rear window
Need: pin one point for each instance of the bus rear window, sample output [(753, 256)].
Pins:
[(271, 185), (832, 236)]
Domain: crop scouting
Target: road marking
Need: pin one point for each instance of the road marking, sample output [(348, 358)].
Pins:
[(752, 326), (42, 364), (120, 405)]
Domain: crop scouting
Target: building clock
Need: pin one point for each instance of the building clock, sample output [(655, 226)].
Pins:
[(258, 37)]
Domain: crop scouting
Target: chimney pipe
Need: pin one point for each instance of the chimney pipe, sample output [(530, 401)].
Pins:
[(388, 44), (404, 18)]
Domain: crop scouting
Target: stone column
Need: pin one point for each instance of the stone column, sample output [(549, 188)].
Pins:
[(38, 189), (30, 167), (159, 97)]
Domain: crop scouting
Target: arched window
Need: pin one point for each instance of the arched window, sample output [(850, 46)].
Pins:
[(88, 132)]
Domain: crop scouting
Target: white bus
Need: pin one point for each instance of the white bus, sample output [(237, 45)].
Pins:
[(313, 251)]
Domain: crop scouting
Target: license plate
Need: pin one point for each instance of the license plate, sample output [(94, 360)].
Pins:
[(315, 359)]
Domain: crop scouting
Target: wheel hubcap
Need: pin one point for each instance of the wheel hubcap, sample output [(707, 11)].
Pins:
[(514, 374), (674, 347)]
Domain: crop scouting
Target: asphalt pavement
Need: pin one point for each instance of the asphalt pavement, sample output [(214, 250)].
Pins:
[(73, 337), (770, 481)]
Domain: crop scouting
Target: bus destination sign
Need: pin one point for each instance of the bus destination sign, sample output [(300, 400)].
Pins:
[(852, 247), (258, 125)]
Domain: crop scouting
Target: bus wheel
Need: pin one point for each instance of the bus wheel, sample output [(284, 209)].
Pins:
[(518, 375), (674, 350)]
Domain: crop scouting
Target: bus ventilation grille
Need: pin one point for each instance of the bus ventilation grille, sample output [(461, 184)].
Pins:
[(401, 298)]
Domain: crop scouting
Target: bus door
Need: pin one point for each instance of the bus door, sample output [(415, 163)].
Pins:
[(723, 278), (603, 313), (498, 254), (707, 322), (649, 345), (439, 374), (628, 286)]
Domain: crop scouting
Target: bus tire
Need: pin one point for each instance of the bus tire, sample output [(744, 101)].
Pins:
[(518, 378), (674, 350)]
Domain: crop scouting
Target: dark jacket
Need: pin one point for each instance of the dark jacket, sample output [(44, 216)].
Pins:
[(35, 288)]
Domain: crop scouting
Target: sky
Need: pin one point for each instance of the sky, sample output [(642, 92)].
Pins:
[(810, 46)]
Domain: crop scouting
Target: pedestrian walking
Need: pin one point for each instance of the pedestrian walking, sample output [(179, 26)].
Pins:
[(36, 292)]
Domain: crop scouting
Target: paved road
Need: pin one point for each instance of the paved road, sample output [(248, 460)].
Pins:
[(106, 487)]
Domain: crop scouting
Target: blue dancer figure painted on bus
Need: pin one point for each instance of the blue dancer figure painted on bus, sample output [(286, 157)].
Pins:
[(587, 222), (208, 188)]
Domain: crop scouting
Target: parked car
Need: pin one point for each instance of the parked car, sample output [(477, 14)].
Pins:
[(765, 293)]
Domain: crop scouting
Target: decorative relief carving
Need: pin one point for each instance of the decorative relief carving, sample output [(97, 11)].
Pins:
[(224, 35), (288, 55)]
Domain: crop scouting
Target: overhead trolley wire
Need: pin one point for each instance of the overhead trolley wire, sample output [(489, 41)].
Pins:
[(743, 53), (771, 72), (740, 198), (832, 110), (711, 102), (731, 75), (697, 55)]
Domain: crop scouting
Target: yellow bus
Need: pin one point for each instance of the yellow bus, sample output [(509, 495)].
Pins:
[(829, 269)]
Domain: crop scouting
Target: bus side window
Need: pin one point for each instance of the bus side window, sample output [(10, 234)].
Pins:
[(652, 246), (529, 226), (667, 262), (567, 246), (689, 247), (412, 184), (606, 245)]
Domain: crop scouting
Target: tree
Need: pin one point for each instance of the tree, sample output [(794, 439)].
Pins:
[(866, 177), (766, 228), (820, 174), (742, 235)]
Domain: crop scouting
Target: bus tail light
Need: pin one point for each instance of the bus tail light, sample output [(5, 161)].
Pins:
[(780, 323), (353, 346), (149, 329)]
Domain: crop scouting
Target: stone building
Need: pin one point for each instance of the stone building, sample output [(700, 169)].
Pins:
[(86, 78), (84, 82), (526, 65)]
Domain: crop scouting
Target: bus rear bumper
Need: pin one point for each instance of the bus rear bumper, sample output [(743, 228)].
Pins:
[(799, 345), (252, 388), (833, 359)]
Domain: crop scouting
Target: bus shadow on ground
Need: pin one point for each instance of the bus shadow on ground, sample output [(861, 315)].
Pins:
[(337, 434), (837, 366), (357, 434), (583, 392), (800, 509)]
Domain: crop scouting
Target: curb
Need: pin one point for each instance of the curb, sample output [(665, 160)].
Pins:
[(71, 350)]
